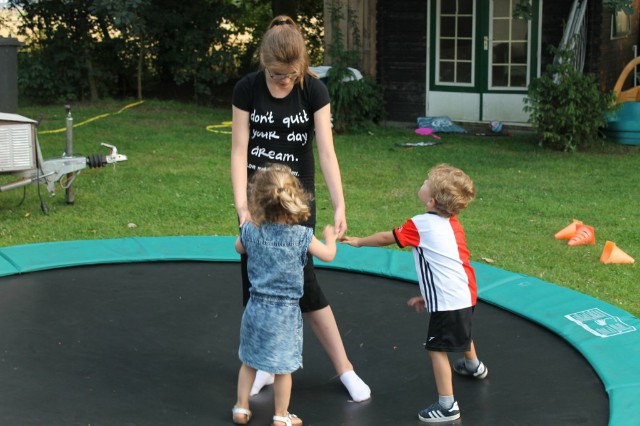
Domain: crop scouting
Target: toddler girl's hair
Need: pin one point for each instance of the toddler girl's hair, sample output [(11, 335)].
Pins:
[(275, 195), (284, 44), (452, 189)]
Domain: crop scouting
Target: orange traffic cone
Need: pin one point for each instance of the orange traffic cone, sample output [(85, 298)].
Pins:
[(585, 234), (613, 254), (568, 231)]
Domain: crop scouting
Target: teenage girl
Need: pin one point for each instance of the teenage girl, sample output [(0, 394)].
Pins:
[(277, 113)]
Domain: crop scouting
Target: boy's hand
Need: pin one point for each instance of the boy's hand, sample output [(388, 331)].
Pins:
[(417, 303), (352, 241)]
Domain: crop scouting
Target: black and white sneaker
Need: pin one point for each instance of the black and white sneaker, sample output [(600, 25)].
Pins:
[(480, 373), (436, 413)]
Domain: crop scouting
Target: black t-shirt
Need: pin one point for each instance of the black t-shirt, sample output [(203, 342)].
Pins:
[(281, 130)]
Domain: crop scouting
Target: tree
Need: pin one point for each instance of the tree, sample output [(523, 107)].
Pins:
[(128, 18), (79, 49), (285, 7), (61, 36)]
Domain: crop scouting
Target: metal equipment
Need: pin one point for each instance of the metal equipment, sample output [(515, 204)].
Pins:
[(20, 156)]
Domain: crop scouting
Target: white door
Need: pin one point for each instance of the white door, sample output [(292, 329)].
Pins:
[(480, 59)]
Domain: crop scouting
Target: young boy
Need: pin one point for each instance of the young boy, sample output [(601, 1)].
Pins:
[(447, 281)]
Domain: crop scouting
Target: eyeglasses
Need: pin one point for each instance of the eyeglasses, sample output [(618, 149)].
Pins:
[(280, 77)]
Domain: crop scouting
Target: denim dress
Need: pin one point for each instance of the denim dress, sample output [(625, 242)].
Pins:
[(271, 328)]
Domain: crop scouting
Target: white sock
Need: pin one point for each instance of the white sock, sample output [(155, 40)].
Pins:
[(446, 401), (262, 379), (358, 389), (472, 364)]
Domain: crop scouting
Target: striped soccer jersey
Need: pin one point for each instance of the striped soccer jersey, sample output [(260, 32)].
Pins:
[(446, 278)]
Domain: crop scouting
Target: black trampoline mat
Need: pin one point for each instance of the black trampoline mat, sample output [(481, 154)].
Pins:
[(156, 344)]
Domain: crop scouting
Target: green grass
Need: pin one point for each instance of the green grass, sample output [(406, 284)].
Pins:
[(176, 182)]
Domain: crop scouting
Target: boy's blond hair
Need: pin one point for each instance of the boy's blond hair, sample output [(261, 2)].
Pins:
[(452, 189), (275, 195)]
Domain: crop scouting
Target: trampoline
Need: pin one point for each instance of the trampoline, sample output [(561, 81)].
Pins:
[(144, 331)]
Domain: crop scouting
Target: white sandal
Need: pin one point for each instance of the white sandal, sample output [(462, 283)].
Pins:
[(287, 420), (237, 411)]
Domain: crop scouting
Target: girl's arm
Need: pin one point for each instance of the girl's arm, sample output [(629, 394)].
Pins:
[(330, 167), (376, 240), (239, 153), (239, 247), (327, 251)]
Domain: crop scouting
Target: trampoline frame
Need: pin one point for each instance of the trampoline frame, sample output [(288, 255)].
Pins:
[(607, 349)]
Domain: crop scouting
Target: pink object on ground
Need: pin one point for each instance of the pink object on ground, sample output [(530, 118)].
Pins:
[(426, 131)]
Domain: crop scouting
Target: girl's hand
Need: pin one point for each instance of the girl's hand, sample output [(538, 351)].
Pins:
[(417, 303), (329, 234)]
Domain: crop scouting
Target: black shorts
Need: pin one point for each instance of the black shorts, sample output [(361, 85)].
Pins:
[(313, 298), (450, 331)]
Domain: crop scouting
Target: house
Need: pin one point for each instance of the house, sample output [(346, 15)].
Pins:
[(472, 60)]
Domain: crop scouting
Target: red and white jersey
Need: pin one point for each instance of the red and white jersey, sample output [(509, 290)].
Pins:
[(446, 278)]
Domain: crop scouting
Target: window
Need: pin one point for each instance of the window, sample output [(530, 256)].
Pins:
[(455, 50), (509, 47), (620, 24)]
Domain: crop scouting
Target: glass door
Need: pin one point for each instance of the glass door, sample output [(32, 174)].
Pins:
[(510, 61), (455, 49), (481, 59)]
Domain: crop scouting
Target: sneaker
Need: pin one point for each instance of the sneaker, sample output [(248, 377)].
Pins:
[(460, 367), (435, 413)]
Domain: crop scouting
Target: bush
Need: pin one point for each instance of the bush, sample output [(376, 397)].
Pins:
[(354, 103), (566, 107)]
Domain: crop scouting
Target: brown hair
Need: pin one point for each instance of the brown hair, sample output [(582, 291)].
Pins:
[(275, 195), (452, 189), (283, 44)]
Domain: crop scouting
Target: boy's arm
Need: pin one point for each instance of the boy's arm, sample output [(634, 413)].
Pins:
[(376, 240)]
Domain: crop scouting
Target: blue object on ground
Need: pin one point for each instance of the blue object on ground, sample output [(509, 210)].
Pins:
[(440, 124)]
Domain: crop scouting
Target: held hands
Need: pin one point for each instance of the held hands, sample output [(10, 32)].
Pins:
[(329, 234), (327, 251), (417, 303), (340, 222), (352, 241)]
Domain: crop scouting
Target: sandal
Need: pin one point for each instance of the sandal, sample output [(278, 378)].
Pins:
[(289, 420), (241, 416)]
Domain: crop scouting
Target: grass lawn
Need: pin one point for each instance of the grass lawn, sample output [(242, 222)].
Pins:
[(176, 182)]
